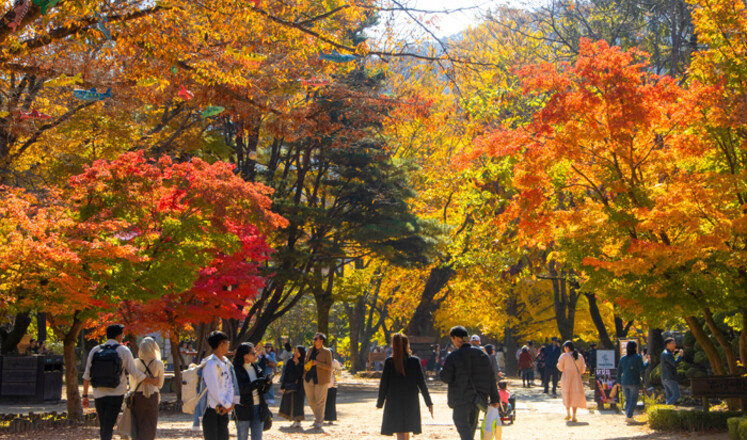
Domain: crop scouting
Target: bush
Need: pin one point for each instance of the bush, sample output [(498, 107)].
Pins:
[(666, 418), (737, 428)]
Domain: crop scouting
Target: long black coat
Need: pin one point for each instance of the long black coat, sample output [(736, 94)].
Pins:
[(400, 393), (467, 370), (291, 405)]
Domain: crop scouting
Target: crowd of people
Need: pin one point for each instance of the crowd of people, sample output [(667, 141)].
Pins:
[(243, 386)]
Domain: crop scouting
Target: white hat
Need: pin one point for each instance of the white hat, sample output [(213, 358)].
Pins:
[(475, 338)]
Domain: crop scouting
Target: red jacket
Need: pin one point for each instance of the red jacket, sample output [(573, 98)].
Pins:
[(525, 360)]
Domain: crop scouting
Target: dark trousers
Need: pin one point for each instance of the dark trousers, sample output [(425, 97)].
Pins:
[(107, 410), (551, 374), (145, 415), (465, 420), (214, 426)]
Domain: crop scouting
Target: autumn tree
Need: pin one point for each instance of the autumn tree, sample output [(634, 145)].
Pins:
[(608, 158)]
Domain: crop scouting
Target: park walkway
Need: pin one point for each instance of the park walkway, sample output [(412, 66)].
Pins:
[(539, 417)]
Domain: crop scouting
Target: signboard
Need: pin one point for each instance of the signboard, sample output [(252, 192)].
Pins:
[(624, 346), (606, 389), (606, 359), (719, 386)]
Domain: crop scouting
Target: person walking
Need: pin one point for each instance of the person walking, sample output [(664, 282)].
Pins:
[(105, 371), (222, 393), (629, 371), (669, 371), (572, 365), (552, 354), (291, 385), (330, 407), (268, 361), (252, 384), (539, 361), (147, 396), (490, 350), (471, 383), (398, 391), (532, 352), (525, 367), (318, 366)]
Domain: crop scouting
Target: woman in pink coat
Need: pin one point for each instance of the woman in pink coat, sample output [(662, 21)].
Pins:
[(572, 366)]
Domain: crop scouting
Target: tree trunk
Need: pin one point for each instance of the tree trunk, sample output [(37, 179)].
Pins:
[(11, 339), (177, 382), (324, 302), (731, 358), (565, 297), (596, 316), (356, 314), (622, 329), (69, 341), (743, 341), (421, 323), (655, 347), (708, 347), (41, 327), (510, 345)]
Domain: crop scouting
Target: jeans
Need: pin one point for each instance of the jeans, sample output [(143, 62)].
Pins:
[(243, 427), (671, 390), (551, 373), (107, 410), (214, 426), (465, 420), (631, 399)]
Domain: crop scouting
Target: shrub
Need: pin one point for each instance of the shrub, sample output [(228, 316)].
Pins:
[(737, 428), (666, 418)]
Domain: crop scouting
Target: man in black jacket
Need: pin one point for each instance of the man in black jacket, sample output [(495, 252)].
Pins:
[(471, 381)]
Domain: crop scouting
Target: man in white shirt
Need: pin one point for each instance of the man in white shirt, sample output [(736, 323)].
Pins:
[(107, 371), (221, 394)]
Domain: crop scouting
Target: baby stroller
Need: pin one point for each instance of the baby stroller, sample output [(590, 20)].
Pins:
[(507, 412)]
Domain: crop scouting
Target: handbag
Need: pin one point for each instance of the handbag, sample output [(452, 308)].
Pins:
[(125, 424), (266, 415)]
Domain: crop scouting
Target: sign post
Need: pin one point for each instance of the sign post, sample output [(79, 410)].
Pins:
[(606, 389)]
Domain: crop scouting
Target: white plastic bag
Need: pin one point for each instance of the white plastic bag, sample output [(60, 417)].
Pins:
[(491, 425)]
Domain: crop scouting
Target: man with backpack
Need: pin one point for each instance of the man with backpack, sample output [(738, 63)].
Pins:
[(105, 370), (222, 392), (471, 381)]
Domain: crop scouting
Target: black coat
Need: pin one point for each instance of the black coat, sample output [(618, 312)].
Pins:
[(245, 408), (400, 393), (291, 404), (464, 379)]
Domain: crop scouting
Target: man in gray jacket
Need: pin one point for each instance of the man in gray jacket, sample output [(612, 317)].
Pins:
[(669, 371)]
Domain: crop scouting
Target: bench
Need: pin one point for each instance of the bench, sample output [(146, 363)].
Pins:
[(375, 357), (723, 387)]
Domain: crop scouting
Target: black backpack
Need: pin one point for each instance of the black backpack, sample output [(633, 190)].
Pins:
[(106, 367)]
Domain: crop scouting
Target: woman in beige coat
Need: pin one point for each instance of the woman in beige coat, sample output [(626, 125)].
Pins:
[(146, 398), (572, 366)]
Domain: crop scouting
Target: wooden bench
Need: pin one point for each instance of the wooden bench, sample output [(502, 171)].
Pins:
[(722, 387), (375, 357)]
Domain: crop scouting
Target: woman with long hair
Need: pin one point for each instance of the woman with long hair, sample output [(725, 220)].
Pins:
[(398, 389), (147, 396), (291, 385), (629, 371), (572, 365), (252, 385)]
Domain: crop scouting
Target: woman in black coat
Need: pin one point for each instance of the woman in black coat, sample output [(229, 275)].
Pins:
[(398, 391), (252, 386), (291, 385)]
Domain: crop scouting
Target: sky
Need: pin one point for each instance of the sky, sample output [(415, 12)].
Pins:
[(463, 13)]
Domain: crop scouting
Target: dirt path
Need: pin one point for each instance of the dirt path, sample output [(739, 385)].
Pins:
[(539, 417)]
